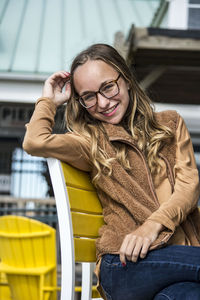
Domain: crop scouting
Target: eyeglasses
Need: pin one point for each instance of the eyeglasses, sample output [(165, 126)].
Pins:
[(108, 90)]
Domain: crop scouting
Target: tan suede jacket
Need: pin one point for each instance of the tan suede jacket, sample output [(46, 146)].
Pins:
[(129, 198)]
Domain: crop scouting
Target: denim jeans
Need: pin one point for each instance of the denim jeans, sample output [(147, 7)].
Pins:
[(169, 273)]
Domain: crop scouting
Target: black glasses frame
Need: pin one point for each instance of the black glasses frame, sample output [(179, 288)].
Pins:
[(99, 92)]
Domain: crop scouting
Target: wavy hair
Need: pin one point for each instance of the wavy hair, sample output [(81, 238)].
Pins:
[(139, 119)]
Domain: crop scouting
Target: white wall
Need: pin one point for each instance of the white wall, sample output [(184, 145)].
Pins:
[(178, 14), (20, 88)]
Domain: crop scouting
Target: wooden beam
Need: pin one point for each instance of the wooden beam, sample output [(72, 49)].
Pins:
[(159, 15), (120, 44), (152, 76)]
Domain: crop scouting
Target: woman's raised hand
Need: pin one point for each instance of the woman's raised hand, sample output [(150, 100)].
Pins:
[(136, 244), (53, 88)]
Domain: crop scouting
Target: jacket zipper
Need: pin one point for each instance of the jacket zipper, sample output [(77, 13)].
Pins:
[(147, 169), (149, 175)]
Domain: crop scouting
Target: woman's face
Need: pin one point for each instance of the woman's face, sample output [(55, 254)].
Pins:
[(94, 74)]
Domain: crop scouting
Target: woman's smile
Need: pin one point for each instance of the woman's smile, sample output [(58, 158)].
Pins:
[(109, 112)]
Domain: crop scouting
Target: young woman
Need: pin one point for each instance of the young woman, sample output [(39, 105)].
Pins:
[(142, 164)]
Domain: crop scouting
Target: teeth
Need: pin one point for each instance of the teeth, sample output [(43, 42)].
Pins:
[(110, 110)]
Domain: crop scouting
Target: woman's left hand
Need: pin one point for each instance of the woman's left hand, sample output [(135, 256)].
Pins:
[(136, 244)]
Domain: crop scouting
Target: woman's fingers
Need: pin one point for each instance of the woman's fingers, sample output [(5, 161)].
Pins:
[(134, 247), (137, 243), (53, 87), (130, 248), (132, 242), (136, 250), (145, 247), (59, 74), (122, 251), (57, 78)]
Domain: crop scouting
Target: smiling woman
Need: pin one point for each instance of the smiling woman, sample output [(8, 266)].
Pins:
[(111, 100), (143, 166)]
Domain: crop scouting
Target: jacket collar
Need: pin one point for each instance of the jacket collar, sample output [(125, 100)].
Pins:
[(118, 133)]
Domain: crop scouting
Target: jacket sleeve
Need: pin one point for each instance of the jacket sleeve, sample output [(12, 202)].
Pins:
[(184, 199), (39, 140)]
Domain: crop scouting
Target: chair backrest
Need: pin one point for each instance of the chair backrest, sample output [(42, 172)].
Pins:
[(26, 243), (28, 257), (79, 216), (86, 212)]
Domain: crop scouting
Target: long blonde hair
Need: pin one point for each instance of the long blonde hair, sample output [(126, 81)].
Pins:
[(139, 119)]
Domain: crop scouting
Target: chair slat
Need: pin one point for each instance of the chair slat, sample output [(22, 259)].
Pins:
[(9, 248), (77, 178), (4, 287), (84, 201), (85, 250), (26, 271), (24, 235), (86, 225)]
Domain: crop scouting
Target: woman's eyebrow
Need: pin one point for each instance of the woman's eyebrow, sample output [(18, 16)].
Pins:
[(102, 84)]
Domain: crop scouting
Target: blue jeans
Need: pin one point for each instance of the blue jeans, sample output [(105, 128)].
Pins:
[(169, 273)]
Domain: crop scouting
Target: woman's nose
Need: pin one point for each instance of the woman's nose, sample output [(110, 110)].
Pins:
[(102, 101)]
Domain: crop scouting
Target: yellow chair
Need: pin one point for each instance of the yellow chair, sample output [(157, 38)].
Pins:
[(80, 217), (28, 258)]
